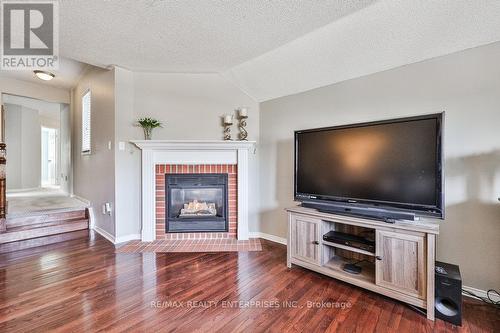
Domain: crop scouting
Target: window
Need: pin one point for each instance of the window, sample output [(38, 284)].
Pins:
[(86, 104)]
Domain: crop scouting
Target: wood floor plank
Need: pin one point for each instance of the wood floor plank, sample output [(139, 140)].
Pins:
[(83, 285)]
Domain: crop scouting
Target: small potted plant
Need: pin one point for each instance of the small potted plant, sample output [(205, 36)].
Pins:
[(148, 124)]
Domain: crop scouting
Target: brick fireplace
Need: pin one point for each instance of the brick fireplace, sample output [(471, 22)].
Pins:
[(163, 158), (229, 213)]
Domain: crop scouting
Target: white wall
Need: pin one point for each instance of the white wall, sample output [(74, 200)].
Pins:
[(190, 106), (33, 90), (23, 140), (31, 157), (128, 161), (94, 174), (467, 86), (13, 125)]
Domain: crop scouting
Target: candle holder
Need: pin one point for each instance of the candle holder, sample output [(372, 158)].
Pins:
[(242, 116), (227, 121), (227, 131), (242, 124)]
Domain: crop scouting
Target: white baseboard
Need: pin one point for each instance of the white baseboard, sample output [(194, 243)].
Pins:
[(268, 237), (85, 201), (113, 239), (104, 234), (480, 293), (21, 190), (127, 238)]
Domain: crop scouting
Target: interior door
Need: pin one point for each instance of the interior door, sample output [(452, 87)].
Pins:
[(305, 238), (400, 263)]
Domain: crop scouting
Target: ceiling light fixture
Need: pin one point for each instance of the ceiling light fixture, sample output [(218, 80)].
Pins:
[(43, 75)]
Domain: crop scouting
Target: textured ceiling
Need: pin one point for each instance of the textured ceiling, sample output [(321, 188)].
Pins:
[(270, 48), (188, 35), (385, 35)]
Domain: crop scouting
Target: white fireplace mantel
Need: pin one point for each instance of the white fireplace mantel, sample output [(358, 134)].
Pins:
[(192, 152)]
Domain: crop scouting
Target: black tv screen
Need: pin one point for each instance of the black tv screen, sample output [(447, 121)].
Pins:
[(395, 163)]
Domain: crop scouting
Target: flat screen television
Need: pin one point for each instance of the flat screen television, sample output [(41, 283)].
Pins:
[(391, 169)]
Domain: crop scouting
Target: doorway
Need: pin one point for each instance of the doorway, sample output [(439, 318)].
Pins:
[(38, 139)]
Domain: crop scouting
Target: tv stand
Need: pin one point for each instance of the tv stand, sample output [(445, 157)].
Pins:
[(402, 266)]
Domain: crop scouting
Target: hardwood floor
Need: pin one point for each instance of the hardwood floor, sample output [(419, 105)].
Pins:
[(82, 285)]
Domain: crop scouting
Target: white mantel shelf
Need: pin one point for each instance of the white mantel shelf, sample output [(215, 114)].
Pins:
[(192, 152), (193, 144)]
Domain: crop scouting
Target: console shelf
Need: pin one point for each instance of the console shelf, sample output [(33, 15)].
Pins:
[(349, 248), (402, 266), (367, 274)]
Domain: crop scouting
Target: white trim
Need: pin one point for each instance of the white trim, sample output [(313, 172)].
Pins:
[(148, 232), (192, 152), (113, 239), (104, 234), (480, 293), (85, 201), (189, 156), (91, 217), (242, 195), (127, 238), (268, 237), (164, 145)]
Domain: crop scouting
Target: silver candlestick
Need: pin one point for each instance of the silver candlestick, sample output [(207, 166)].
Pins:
[(241, 126), (242, 116), (228, 121), (227, 132)]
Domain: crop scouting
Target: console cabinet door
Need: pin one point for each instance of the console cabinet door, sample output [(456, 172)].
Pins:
[(400, 263), (305, 239)]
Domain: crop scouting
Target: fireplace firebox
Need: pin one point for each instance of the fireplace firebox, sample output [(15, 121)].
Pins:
[(196, 202)]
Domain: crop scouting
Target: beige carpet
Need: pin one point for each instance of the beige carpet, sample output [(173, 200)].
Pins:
[(42, 200)]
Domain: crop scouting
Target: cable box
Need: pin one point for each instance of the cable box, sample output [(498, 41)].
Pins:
[(355, 241)]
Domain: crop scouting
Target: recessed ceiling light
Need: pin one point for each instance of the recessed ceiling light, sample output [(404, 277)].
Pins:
[(43, 75)]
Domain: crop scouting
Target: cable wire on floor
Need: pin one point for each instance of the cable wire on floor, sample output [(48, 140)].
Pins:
[(486, 299)]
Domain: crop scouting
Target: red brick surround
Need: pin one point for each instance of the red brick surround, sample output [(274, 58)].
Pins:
[(162, 169)]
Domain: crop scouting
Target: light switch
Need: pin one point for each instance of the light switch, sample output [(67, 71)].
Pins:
[(109, 145), (106, 209), (121, 145)]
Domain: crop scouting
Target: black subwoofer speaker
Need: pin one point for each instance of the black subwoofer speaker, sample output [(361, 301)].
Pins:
[(448, 293)]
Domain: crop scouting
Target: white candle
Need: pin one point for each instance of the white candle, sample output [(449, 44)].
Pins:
[(228, 119), (243, 112)]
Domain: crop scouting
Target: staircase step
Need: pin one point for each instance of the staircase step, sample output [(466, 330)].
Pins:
[(43, 224), (44, 217), (42, 241), (42, 229)]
